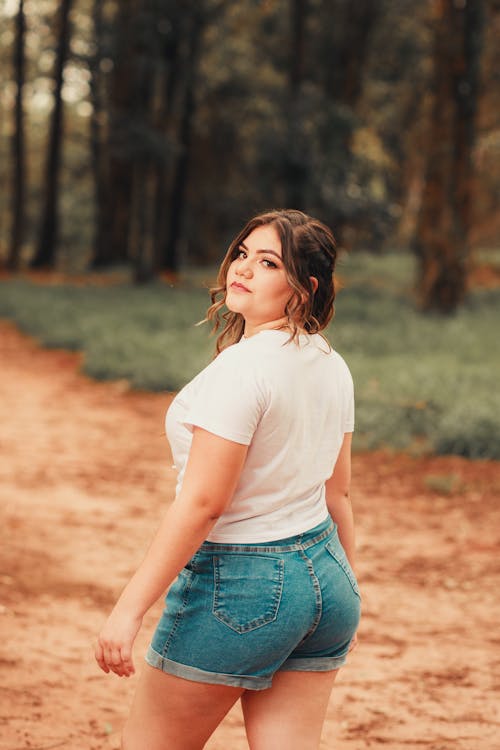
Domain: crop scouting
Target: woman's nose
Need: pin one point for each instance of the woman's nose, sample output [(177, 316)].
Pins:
[(244, 268)]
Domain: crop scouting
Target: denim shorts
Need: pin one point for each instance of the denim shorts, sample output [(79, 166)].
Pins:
[(238, 613)]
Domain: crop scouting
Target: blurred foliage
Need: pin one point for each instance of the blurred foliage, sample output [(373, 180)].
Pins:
[(345, 106), (423, 383), (361, 112), (145, 335)]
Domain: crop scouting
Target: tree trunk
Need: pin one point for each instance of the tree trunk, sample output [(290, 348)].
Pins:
[(296, 161), (46, 250), (118, 172), (344, 66), (99, 156), (441, 243), (164, 119), (18, 146), (181, 167), (143, 161), (345, 57)]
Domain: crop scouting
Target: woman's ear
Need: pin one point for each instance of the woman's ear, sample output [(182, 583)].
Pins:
[(314, 284)]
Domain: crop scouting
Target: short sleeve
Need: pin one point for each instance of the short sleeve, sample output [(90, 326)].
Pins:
[(227, 400), (348, 420)]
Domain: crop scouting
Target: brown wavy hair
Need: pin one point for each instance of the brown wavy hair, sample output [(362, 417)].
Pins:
[(308, 249)]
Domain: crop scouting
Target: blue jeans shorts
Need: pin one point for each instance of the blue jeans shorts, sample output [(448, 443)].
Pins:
[(238, 613)]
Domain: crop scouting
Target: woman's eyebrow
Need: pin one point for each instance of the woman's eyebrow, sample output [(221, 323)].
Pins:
[(263, 250)]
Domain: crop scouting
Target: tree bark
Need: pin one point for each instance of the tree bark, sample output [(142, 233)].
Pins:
[(100, 167), (181, 166), (47, 242), (144, 157), (296, 171), (171, 55), (117, 146), (345, 57), (345, 52), (18, 146), (441, 244)]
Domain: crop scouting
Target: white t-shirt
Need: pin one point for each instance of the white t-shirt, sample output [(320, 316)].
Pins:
[(291, 404)]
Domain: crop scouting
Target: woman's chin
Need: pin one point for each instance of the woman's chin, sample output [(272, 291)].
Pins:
[(235, 305)]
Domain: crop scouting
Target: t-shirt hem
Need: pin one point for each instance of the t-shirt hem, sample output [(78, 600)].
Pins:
[(272, 533), (236, 437)]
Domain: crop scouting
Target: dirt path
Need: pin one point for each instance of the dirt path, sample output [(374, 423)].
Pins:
[(85, 473)]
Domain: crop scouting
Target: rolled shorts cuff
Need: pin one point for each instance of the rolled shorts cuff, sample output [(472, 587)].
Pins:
[(314, 664), (156, 660)]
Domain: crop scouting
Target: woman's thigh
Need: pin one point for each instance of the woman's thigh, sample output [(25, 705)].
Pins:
[(289, 714), (171, 713)]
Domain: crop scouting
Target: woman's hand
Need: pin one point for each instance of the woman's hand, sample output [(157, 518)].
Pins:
[(214, 463), (113, 651)]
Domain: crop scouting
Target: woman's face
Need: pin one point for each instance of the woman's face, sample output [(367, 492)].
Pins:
[(256, 283)]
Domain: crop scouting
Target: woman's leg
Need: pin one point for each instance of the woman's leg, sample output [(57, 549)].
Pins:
[(290, 713), (171, 713)]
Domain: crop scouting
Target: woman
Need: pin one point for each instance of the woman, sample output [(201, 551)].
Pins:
[(263, 603)]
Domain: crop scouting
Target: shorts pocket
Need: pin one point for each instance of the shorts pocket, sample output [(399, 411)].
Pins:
[(248, 590), (337, 552)]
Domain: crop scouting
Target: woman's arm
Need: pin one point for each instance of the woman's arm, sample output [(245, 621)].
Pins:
[(338, 500), (212, 472)]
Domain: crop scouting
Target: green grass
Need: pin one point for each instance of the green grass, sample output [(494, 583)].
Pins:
[(423, 382), (143, 334)]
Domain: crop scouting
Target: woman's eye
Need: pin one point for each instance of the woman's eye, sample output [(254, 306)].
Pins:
[(269, 263), (240, 253)]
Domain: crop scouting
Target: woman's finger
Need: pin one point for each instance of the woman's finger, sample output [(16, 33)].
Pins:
[(127, 660), (99, 657), (115, 657)]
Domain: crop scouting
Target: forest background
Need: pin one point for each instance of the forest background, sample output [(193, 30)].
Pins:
[(137, 137)]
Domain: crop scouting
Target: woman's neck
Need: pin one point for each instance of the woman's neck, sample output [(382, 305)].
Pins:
[(251, 329)]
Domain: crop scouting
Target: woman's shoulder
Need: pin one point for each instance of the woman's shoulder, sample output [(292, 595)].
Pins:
[(342, 368), (339, 359), (271, 350), (235, 361)]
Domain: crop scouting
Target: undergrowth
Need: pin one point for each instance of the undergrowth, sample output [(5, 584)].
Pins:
[(423, 382)]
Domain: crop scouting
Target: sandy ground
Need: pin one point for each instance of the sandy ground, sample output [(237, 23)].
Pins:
[(85, 475)]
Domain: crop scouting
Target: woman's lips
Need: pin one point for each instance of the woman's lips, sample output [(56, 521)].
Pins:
[(240, 287)]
